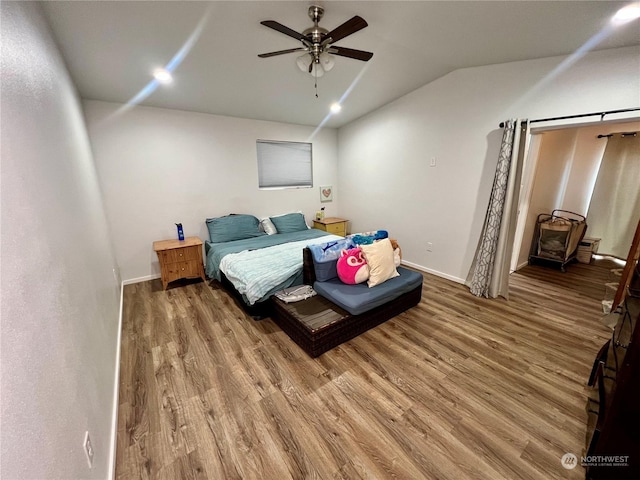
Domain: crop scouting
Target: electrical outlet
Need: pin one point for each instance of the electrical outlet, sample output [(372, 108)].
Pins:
[(429, 247), (432, 162), (88, 449)]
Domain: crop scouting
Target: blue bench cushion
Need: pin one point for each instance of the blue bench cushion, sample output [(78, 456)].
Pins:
[(357, 299)]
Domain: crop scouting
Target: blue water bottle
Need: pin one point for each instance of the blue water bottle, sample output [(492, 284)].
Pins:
[(180, 232)]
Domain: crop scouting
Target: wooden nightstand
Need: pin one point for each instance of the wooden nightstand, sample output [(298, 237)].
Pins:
[(337, 226), (179, 259)]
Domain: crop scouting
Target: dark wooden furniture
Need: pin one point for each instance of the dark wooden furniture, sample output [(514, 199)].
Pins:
[(630, 267), (613, 429), (614, 406)]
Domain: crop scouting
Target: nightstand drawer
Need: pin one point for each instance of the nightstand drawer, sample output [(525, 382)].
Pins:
[(336, 228), (167, 256), (184, 254), (179, 254), (334, 225), (192, 253), (182, 269)]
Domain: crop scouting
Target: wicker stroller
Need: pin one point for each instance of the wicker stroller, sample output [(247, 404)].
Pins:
[(556, 238)]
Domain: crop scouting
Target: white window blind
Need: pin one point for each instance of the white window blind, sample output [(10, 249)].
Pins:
[(284, 164)]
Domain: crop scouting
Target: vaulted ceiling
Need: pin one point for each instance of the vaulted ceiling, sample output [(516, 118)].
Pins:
[(111, 48)]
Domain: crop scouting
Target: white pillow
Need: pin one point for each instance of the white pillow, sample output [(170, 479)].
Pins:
[(379, 256), (267, 226)]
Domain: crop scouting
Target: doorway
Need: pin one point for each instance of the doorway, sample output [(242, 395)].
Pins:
[(560, 172)]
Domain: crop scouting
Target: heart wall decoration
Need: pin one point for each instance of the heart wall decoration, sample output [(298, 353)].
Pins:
[(326, 193)]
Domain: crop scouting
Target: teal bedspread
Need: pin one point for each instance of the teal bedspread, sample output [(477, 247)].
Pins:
[(215, 252)]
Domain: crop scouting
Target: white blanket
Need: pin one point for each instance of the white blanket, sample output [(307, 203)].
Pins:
[(254, 273)]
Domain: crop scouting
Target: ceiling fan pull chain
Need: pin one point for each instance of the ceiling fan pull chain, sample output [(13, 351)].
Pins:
[(315, 79)]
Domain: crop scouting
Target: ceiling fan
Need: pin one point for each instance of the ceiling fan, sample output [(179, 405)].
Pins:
[(318, 43)]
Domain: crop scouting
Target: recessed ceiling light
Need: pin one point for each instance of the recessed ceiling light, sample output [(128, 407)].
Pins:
[(627, 14), (162, 76), (336, 107)]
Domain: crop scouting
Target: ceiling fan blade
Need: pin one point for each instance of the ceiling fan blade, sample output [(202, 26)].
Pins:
[(282, 52), (282, 29), (351, 53), (347, 28)]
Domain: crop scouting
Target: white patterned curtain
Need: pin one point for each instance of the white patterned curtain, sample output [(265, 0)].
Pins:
[(614, 210), (489, 274)]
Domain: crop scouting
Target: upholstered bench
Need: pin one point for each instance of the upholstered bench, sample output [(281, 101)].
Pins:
[(359, 299), (318, 324)]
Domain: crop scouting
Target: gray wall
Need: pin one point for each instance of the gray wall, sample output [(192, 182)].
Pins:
[(60, 297), (158, 167), (455, 119)]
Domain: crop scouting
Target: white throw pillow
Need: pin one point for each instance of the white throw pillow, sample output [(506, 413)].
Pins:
[(267, 226), (379, 256)]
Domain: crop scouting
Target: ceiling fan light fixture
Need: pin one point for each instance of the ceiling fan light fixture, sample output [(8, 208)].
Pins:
[(317, 41), (303, 62), (317, 70), (307, 64), (327, 61)]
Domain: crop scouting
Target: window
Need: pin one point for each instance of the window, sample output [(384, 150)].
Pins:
[(284, 164)]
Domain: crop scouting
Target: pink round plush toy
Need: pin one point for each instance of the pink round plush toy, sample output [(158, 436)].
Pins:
[(352, 267)]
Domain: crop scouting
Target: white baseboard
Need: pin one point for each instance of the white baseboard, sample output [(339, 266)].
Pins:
[(116, 394), (140, 279), (523, 264), (433, 272)]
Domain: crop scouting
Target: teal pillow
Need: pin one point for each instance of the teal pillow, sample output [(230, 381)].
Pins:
[(233, 227), (291, 222)]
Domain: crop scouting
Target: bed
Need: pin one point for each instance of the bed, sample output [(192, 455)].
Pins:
[(255, 264)]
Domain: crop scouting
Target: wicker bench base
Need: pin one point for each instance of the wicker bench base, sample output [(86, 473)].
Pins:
[(317, 325)]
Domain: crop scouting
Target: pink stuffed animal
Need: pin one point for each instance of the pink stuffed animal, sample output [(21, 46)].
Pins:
[(352, 267)]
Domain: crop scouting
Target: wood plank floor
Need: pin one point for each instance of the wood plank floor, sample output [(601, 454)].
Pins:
[(456, 388)]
